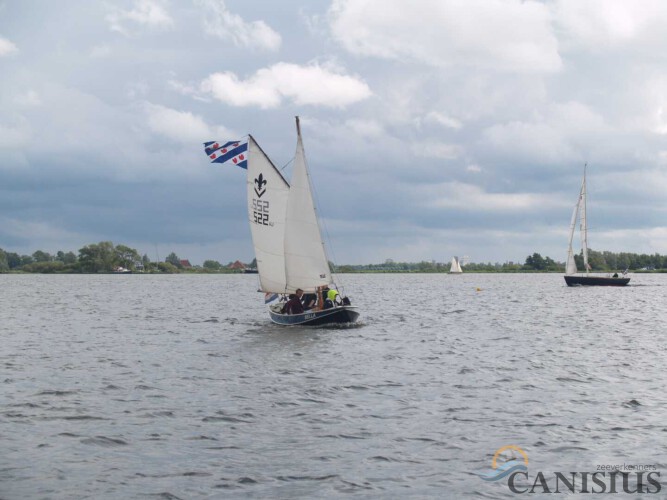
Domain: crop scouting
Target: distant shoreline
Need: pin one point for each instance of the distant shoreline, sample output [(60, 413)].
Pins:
[(200, 272)]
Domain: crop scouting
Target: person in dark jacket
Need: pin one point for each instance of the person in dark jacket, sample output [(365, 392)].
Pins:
[(294, 305), (308, 300)]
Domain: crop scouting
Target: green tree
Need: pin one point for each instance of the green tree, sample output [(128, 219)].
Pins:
[(65, 258), (44, 267), (167, 267), (536, 262), (13, 260), (4, 265), (40, 256), (173, 259), (26, 259), (126, 256), (212, 265), (96, 258), (425, 267)]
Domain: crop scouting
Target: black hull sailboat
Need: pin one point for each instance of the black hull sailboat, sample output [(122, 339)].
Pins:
[(286, 235), (571, 276), (334, 316), (595, 281)]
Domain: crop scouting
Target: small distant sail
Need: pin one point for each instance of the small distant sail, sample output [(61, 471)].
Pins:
[(455, 267)]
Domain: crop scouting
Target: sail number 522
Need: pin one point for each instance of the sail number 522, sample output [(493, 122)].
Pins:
[(260, 211)]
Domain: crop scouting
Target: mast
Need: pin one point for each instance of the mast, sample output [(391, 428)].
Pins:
[(584, 223)]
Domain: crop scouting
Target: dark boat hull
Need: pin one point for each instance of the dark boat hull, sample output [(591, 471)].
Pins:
[(595, 281), (334, 316)]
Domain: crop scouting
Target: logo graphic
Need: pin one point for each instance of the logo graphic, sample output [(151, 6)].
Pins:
[(260, 188), (512, 464), (626, 478)]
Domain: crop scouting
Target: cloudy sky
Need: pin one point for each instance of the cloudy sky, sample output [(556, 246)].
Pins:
[(432, 128)]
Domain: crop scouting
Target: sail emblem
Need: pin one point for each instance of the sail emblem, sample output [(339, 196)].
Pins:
[(260, 188)]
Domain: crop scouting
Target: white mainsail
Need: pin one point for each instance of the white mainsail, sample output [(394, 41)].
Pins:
[(579, 211), (455, 267), (306, 264), (267, 205), (571, 265)]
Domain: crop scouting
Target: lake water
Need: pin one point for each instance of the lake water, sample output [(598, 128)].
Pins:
[(178, 386)]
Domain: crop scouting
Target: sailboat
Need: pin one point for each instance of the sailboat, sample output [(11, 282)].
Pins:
[(286, 235), (585, 279), (455, 267)]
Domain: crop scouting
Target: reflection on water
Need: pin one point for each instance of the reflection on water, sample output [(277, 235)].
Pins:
[(180, 387)]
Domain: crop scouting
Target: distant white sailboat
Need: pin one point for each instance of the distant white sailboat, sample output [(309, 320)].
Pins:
[(455, 267)]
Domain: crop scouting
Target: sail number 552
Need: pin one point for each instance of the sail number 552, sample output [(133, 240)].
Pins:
[(260, 211)]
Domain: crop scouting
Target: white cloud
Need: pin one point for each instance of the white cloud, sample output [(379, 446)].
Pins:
[(603, 24), (29, 98), (100, 51), (433, 149), (304, 85), (137, 89), (505, 35), (15, 135), (656, 105), (439, 118), (650, 240), (220, 22), (364, 128), (529, 140), (146, 13), (181, 126), (473, 198), (6, 47), (47, 234), (561, 133), (475, 169)]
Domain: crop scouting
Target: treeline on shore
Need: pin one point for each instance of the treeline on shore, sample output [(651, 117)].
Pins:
[(599, 262), (105, 257)]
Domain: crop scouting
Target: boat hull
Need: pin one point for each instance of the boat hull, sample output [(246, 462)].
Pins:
[(334, 316), (595, 281)]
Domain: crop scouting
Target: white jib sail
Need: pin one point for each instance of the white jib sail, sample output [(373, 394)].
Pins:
[(267, 205), (455, 266), (306, 264)]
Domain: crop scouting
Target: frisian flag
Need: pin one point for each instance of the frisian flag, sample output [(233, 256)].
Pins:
[(235, 152), (270, 297)]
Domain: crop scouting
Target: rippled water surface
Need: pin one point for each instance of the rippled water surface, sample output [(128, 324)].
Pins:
[(180, 387)]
